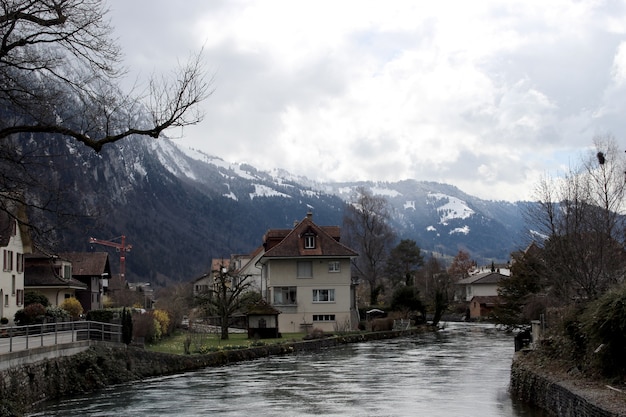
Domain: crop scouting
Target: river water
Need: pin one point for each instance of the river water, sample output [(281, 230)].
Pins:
[(462, 370)]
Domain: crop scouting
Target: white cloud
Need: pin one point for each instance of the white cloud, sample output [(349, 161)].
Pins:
[(619, 65), (483, 95)]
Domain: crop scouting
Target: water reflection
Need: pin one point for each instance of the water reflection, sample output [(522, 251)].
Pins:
[(461, 371)]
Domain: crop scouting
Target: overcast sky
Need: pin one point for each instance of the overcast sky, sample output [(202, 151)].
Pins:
[(484, 95)]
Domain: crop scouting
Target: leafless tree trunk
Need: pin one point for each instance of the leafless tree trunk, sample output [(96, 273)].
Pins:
[(580, 216), (366, 223), (225, 297), (60, 77), (60, 54)]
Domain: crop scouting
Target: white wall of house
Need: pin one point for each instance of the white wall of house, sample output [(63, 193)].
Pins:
[(55, 296), (247, 267), (480, 290), (322, 297), (12, 276)]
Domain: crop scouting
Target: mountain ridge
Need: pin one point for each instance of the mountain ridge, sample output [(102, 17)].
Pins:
[(180, 207)]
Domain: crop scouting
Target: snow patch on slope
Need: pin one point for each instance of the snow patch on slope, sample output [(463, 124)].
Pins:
[(453, 208), (265, 191)]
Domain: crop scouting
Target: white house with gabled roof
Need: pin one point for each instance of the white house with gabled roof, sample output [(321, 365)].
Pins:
[(14, 243), (307, 271)]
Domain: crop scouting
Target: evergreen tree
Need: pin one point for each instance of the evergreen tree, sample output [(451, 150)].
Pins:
[(404, 260), (127, 326), (517, 292)]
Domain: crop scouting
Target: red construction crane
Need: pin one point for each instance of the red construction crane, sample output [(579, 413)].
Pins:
[(122, 248)]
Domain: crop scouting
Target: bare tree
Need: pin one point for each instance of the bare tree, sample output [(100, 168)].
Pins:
[(581, 217), (437, 285), (226, 296), (366, 223), (60, 78), (461, 265), (177, 301), (60, 54)]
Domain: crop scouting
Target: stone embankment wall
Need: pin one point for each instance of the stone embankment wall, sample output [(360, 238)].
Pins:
[(562, 395), (104, 364)]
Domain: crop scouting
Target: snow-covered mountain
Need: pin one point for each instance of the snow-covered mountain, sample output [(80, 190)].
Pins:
[(181, 207), (439, 217)]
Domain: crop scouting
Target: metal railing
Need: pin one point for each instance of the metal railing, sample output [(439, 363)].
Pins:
[(14, 338)]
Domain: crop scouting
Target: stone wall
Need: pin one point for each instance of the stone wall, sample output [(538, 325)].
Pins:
[(561, 395), (105, 364)]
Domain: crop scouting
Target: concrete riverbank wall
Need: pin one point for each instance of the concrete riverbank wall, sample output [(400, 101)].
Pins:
[(103, 365), (562, 394)]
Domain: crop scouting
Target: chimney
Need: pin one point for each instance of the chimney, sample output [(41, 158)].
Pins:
[(309, 215)]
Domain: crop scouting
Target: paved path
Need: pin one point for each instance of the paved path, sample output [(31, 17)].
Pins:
[(18, 343)]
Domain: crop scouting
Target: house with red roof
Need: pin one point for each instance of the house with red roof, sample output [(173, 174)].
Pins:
[(483, 284), (306, 274)]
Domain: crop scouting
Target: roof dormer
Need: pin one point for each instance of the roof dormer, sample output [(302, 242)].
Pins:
[(309, 239)]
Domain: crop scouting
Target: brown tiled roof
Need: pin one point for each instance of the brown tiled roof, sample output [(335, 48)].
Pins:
[(251, 257), (261, 308), (487, 300), (44, 276), (483, 278), (292, 245), (88, 263), (218, 263), (6, 229)]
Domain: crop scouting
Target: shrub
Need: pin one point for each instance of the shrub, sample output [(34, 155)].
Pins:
[(604, 326), (31, 314), (103, 316), (162, 322), (316, 333), (143, 327), (73, 307), (4, 320), (55, 313), (406, 299), (127, 326), (35, 297)]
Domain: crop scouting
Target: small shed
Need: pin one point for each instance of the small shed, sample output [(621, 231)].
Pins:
[(262, 321), (482, 306)]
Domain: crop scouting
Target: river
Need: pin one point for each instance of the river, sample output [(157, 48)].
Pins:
[(462, 370)]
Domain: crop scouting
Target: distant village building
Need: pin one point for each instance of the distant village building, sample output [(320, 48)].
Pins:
[(51, 276), (484, 284), (93, 270)]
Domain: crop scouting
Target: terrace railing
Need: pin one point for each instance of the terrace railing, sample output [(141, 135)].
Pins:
[(13, 338)]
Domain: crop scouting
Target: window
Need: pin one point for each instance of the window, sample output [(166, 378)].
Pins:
[(67, 271), (323, 296), (334, 266), (285, 295), (305, 269), (309, 241), (7, 264), (6, 300), (20, 297), (20, 263), (323, 317), (13, 285)]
